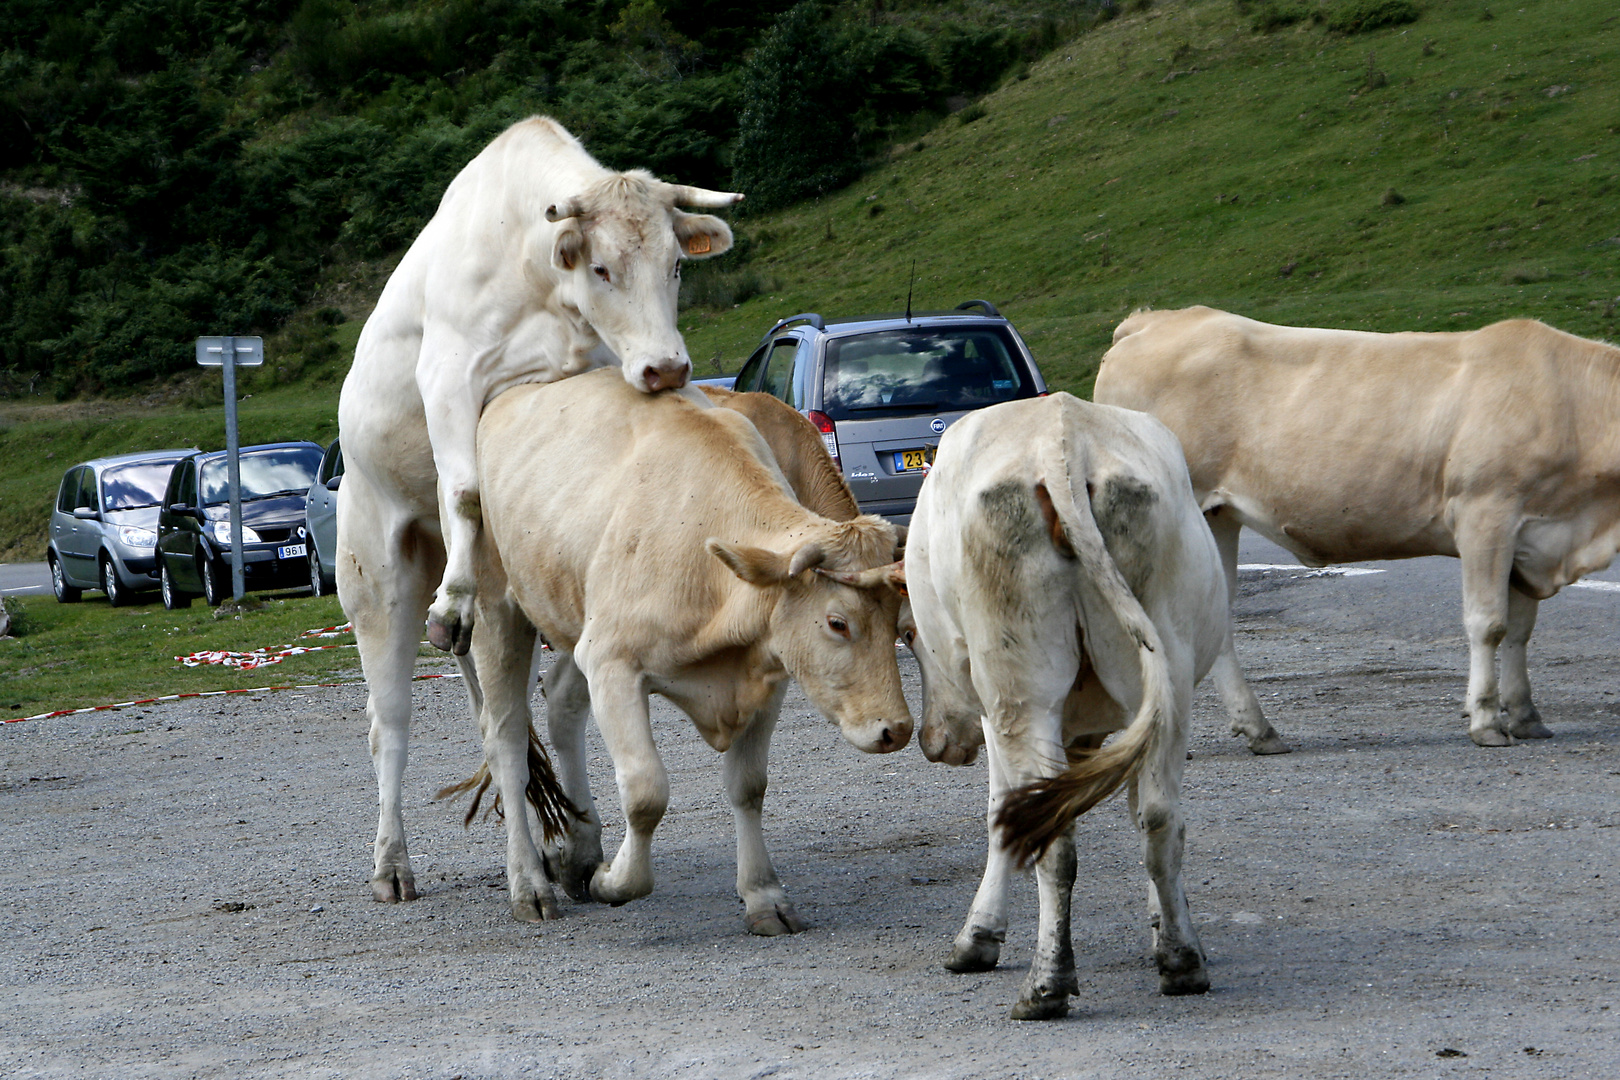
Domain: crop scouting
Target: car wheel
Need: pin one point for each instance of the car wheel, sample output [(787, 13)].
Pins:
[(65, 593), (317, 580), (117, 595), (173, 599), (213, 588)]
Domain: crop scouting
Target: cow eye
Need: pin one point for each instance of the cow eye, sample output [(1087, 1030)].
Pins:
[(837, 625), (602, 272)]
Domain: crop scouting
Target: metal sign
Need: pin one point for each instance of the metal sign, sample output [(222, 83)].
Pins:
[(247, 351)]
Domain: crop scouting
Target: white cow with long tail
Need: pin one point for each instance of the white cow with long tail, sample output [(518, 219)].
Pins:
[(1064, 586), (539, 264)]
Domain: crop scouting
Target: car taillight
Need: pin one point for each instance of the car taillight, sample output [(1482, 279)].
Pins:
[(829, 434)]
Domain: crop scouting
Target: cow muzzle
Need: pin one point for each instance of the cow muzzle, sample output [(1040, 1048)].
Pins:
[(879, 736), (668, 374), (938, 746)]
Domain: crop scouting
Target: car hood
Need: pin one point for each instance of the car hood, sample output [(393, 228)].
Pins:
[(144, 517), (282, 510)]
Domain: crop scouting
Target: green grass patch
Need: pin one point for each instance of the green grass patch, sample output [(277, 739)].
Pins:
[(77, 655)]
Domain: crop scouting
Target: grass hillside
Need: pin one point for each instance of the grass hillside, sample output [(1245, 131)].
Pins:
[(1440, 174)]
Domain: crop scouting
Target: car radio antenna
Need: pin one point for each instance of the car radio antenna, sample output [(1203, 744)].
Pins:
[(909, 285)]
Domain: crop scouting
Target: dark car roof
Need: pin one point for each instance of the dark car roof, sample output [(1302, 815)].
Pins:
[(210, 455)]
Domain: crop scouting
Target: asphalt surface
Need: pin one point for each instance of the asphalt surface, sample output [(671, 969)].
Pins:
[(24, 579), (185, 890)]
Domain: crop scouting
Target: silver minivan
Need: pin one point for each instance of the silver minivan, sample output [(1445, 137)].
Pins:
[(104, 526), (881, 390)]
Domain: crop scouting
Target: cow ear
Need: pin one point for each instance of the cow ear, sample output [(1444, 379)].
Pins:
[(757, 566), (701, 236), (569, 247)]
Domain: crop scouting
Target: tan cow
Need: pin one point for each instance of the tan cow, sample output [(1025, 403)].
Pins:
[(1498, 447), (665, 551), (539, 264)]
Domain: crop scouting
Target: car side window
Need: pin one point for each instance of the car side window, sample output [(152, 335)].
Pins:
[(171, 494), (88, 496), (779, 381), (67, 496), (748, 377)]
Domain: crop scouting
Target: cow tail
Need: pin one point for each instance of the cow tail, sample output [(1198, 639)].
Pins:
[(545, 793), (1036, 815)]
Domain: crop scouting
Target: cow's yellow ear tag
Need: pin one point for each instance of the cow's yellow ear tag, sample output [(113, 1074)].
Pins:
[(699, 244)]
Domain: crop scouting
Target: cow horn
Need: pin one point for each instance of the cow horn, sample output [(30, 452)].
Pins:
[(807, 556), (893, 575), (565, 209), (700, 198)]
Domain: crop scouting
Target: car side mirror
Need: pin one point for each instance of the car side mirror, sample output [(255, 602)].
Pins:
[(182, 510), (335, 482), (84, 513)]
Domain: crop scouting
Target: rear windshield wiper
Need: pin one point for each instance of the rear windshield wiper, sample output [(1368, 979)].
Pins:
[(919, 406)]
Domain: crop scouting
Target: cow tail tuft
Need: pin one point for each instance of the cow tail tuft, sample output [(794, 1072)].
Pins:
[(544, 793), (1036, 815)]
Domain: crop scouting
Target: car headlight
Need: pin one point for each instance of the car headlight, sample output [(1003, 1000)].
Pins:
[(221, 531), (136, 537)]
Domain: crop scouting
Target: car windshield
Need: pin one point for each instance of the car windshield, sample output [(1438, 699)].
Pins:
[(130, 487), (925, 369), (288, 470)]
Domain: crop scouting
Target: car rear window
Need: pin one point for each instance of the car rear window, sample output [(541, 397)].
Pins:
[(923, 369), (129, 487), (287, 471)]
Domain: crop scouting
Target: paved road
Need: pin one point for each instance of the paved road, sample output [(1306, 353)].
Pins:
[(24, 579)]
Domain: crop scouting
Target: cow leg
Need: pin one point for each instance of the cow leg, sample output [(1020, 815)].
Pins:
[(1051, 979), (383, 580), (766, 910), (1487, 560), (502, 648), (621, 716), (451, 407), (978, 946), (1523, 721), (1155, 800), (568, 702), (1242, 707)]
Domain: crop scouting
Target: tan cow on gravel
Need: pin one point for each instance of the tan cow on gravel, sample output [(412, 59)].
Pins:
[(1497, 446), (539, 264), (666, 552), (1064, 587)]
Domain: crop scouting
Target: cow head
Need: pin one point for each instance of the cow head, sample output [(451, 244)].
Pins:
[(950, 730), (832, 623), (618, 246)]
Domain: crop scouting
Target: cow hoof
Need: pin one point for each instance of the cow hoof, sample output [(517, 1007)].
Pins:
[(775, 922), (1041, 1007), (1269, 743), (451, 635), (1182, 972), (1490, 737), (393, 889), (1531, 727), (535, 909), (981, 953), (575, 880)]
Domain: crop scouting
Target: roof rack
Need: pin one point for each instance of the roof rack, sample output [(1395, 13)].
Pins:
[(989, 308), (809, 316)]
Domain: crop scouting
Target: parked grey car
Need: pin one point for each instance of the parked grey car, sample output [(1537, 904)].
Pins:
[(320, 521), (883, 389), (104, 526)]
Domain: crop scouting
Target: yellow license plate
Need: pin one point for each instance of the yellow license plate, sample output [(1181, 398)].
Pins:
[(911, 460)]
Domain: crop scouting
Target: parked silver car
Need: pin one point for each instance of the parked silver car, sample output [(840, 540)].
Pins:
[(881, 390), (104, 526), (320, 522)]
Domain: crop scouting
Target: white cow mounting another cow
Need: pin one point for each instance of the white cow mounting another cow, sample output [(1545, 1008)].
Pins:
[(1497, 447), (539, 264), (667, 553), (1064, 587)]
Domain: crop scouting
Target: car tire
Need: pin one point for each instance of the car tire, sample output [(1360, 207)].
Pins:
[(173, 599), (117, 594), (65, 593), (320, 582), (214, 590)]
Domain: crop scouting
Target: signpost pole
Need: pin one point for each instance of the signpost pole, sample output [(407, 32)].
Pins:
[(234, 465)]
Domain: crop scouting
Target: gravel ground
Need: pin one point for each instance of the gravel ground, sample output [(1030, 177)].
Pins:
[(185, 892)]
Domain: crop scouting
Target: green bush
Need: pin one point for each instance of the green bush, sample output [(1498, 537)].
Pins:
[(1361, 16)]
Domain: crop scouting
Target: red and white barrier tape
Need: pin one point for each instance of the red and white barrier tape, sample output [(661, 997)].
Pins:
[(245, 661)]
